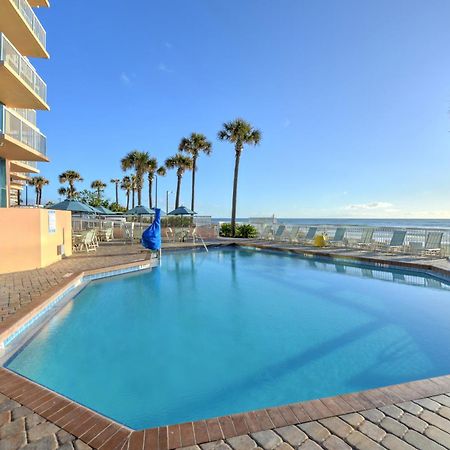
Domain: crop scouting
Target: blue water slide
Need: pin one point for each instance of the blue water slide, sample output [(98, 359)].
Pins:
[(151, 237)]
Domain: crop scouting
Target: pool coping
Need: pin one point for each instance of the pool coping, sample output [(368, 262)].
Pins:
[(101, 432)]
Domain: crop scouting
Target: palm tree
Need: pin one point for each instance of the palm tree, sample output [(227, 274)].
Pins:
[(116, 181), (126, 186), (238, 132), (181, 163), (139, 162), (153, 171), (99, 186), (133, 189), (152, 167), (195, 144), (62, 191), (161, 172), (38, 183), (70, 176)]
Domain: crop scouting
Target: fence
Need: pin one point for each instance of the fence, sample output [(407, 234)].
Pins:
[(414, 242), (125, 228)]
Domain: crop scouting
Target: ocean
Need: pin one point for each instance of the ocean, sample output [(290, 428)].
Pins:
[(401, 223)]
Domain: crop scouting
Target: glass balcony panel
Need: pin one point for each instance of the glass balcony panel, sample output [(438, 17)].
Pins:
[(30, 163), (13, 126), (31, 19), (27, 114), (22, 67)]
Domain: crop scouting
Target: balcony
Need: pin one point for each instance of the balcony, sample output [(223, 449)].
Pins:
[(19, 22), (39, 3), (28, 114), (19, 140), (23, 166), (20, 85), (19, 176)]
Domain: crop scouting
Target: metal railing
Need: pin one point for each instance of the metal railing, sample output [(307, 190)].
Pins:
[(11, 124), (121, 228), (414, 242), (11, 57), (26, 11)]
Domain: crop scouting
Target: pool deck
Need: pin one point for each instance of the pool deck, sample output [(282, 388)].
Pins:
[(413, 415)]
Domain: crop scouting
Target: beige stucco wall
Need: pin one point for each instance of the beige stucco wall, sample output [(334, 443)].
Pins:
[(25, 240)]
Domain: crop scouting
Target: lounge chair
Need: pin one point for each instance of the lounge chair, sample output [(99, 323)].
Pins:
[(308, 238), (397, 242), (339, 236), (293, 236), (267, 233), (366, 238), (433, 243), (278, 235)]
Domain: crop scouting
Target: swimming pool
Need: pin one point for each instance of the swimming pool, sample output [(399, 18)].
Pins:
[(209, 334)]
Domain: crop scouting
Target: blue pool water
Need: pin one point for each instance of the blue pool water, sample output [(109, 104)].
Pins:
[(227, 331)]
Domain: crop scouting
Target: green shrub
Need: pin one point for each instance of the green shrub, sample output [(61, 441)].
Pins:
[(225, 230), (246, 231)]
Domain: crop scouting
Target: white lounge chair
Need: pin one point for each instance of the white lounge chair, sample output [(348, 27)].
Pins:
[(339, 237), (278, 235), (433, 243)]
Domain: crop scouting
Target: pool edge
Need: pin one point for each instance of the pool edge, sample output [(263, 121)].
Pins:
[(80, 420)]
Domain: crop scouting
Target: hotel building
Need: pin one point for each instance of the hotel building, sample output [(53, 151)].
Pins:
[(22, 92)]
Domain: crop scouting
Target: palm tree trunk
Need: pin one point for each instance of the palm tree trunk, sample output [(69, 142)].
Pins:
[(133, 191), (139, 195), (150, 187), (194, 166), (40, 196), (117, 193), (37, 196), (177, 199), (235, 185), (128, 200), (98, 193)]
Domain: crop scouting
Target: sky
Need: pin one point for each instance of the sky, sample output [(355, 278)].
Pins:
[(352, 98)]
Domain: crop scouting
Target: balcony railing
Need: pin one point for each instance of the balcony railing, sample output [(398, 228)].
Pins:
[(14, 126), (31, 19), (30, 163), (10, 56), (27, 114), (414, 240)]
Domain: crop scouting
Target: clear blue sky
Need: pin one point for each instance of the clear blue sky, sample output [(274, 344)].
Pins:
[(352, 97)]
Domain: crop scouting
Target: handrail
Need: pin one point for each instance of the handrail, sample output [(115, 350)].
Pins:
[(26, 11), (11, 124), (22, 67), (415, 238)]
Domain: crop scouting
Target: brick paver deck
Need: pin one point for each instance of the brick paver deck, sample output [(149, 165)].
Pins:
[(408, 416)]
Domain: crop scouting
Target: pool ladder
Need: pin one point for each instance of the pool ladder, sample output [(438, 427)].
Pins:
[(196, 236)]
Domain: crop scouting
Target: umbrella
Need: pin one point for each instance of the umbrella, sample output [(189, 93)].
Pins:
[(104, 211), (74, 206), (181, 211), (140, 211)]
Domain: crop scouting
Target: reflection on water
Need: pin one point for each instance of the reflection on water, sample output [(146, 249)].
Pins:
[(232, 330)]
